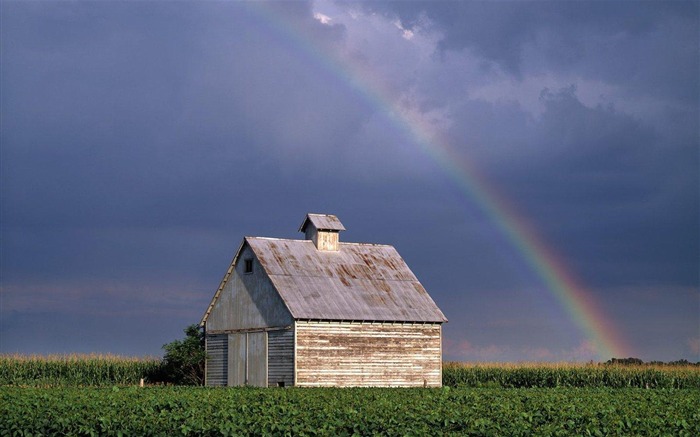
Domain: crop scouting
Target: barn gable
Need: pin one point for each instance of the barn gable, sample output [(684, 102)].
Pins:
[(249, 330), (246, 300)]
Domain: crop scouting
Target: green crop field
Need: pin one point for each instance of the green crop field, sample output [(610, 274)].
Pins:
[(76, 370), (552, 375), (366, 411), (98, 395)]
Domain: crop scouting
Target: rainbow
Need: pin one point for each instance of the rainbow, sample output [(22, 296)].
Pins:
[(578, 303)]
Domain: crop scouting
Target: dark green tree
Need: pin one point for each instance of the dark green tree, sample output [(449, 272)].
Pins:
[(183, 363), (625, 361)]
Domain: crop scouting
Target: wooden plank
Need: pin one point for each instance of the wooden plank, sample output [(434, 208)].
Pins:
[(355, 354)]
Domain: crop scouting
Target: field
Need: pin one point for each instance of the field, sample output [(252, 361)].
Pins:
[(376, 411), (76, 370), (81, 396), (552, 375), (107, 370)]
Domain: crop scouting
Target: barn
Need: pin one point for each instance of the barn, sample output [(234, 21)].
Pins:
[(321, 312)]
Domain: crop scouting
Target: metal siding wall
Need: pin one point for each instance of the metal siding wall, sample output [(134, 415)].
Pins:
[(360, 354), (257, 359), (217, 360), (280, 350)]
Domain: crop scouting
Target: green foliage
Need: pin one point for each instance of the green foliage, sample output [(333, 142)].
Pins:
[(567, 375), (76, 370), (625, 361), (183, 363), (345, 412), (639, 362)]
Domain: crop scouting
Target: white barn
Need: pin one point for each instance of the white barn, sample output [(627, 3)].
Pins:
[(320, 312)]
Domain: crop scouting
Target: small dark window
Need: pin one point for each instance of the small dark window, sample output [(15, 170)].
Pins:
[(248, 266), (280, 384)]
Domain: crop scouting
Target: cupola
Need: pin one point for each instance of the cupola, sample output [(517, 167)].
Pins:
[(323, 230)]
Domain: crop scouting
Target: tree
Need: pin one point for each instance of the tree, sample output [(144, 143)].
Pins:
[(183, 363), (626, 361)]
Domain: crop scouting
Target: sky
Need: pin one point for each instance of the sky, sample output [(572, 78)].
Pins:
[(535, 163)]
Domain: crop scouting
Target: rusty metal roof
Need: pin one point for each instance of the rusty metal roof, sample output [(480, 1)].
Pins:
[(326, 222), (363, 282)]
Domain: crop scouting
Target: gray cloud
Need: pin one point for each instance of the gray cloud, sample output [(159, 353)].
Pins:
[(650, 46), (607, 187)]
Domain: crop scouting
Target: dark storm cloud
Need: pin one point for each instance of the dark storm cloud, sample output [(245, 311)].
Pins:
[(49, 332), (640, 44), (612, 190), (133, 125), (580, 171)]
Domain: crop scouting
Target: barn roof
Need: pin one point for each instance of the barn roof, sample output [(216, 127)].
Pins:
[(324, 222), (368, 282)]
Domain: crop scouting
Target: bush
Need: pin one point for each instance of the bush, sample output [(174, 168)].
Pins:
[(183, 363)]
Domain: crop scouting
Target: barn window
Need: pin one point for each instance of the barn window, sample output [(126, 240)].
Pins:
[(248, 266)]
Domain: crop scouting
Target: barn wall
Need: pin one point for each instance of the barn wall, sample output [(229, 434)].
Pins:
[(365, 354), (280, 347), (248, 301), (216, 369)]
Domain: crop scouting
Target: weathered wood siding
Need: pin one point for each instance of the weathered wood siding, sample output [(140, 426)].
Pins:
[(248, 301), (366, 354), (324, 240), (216, 369), (280, 359)]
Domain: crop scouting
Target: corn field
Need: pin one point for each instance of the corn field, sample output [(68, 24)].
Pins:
[(108, 370), (549, 375), (76, 370)]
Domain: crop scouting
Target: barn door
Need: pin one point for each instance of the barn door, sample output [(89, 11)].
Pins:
[(257, 359), (247, 353)]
